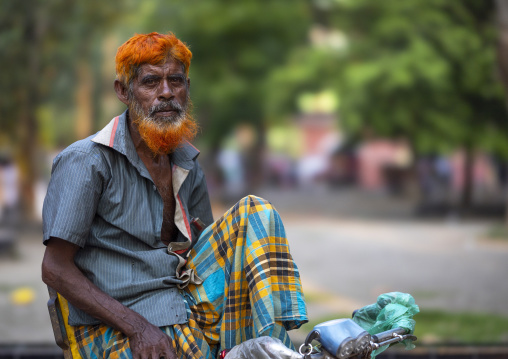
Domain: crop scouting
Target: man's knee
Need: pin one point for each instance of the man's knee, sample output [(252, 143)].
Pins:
[(253, 201)]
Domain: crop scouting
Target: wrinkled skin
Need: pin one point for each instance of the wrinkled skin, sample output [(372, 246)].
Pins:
[(154, 84)]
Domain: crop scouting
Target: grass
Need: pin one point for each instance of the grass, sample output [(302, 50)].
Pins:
[(7, 288), (498, 232), (437, 327), (317, 297), (441, 328)]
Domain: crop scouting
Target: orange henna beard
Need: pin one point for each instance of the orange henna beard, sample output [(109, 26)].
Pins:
[(163, 137)]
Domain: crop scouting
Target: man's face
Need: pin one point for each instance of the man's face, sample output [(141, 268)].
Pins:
[(160, 91), (158, 100)]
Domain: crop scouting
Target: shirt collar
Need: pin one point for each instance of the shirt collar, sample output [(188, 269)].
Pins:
[(116, 135)]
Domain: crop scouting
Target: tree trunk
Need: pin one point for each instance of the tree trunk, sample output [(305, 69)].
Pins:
[(25, 157), (254, 160), (502, 56), (467, 190), (84, 100), (27, 147)]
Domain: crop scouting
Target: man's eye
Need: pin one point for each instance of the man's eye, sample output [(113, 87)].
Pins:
[(177, 80)]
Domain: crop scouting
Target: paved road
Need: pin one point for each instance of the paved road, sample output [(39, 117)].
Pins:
[(446, 266), (24, 323), (345, 263), (355, 246)]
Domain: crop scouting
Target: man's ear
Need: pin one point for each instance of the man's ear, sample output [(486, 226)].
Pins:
[(122, 92)]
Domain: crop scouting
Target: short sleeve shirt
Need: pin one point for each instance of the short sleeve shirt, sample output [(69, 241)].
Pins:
[(102, 198)]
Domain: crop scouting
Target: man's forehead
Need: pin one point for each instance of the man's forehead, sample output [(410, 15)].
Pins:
[(170, 65)]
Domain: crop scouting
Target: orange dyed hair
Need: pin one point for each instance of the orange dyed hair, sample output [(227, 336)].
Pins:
[(151, 49)]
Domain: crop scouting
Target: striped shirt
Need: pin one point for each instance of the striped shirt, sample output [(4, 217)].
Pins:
[(102, 198)]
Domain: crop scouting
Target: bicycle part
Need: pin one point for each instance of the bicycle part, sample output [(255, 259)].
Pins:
[(342, 338)]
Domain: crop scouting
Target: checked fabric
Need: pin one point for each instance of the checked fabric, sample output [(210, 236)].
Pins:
[(251, 288)]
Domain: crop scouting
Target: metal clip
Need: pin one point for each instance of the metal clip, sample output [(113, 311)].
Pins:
[(307, 344)]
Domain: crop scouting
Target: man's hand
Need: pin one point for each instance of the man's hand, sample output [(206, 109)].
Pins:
[(60, 272), (151, 343)]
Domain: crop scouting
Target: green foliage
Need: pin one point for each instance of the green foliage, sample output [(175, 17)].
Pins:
[(236, 47), (421, 69), (41, 44), (424, 70)]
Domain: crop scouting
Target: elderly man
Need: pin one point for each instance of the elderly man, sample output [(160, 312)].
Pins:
[(131, 241)]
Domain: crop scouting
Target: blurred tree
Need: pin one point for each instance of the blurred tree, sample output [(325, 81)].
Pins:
[(422, 70), (43, 44), (502, 52), (237, 46)]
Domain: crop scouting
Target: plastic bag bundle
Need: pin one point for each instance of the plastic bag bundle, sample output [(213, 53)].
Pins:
[(262, 348), (392, 310)]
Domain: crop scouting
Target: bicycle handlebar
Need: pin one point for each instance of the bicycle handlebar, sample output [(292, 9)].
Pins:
[(363, 350)]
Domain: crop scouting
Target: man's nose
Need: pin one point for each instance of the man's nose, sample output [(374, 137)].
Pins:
[(166, 91)]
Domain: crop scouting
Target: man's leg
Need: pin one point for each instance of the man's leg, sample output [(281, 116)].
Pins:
[(251, 288), (251, 284), (101, 341)]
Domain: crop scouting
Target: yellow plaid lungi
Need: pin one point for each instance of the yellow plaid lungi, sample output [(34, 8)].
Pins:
[(251, 288)]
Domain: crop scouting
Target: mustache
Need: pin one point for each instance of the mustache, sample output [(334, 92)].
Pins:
[(170, 105)]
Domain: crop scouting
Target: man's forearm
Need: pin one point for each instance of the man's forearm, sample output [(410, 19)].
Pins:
[(63, 276), (60, 272)]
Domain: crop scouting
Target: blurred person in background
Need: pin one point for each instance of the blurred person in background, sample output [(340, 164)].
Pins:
[(131, 241), (9, 192)]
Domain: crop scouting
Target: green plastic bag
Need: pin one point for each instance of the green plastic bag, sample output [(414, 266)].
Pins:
[(392, 310)]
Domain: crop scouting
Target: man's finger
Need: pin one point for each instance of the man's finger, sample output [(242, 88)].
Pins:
[(168, 351), (155, 354), (136, 354), (169, 354)]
